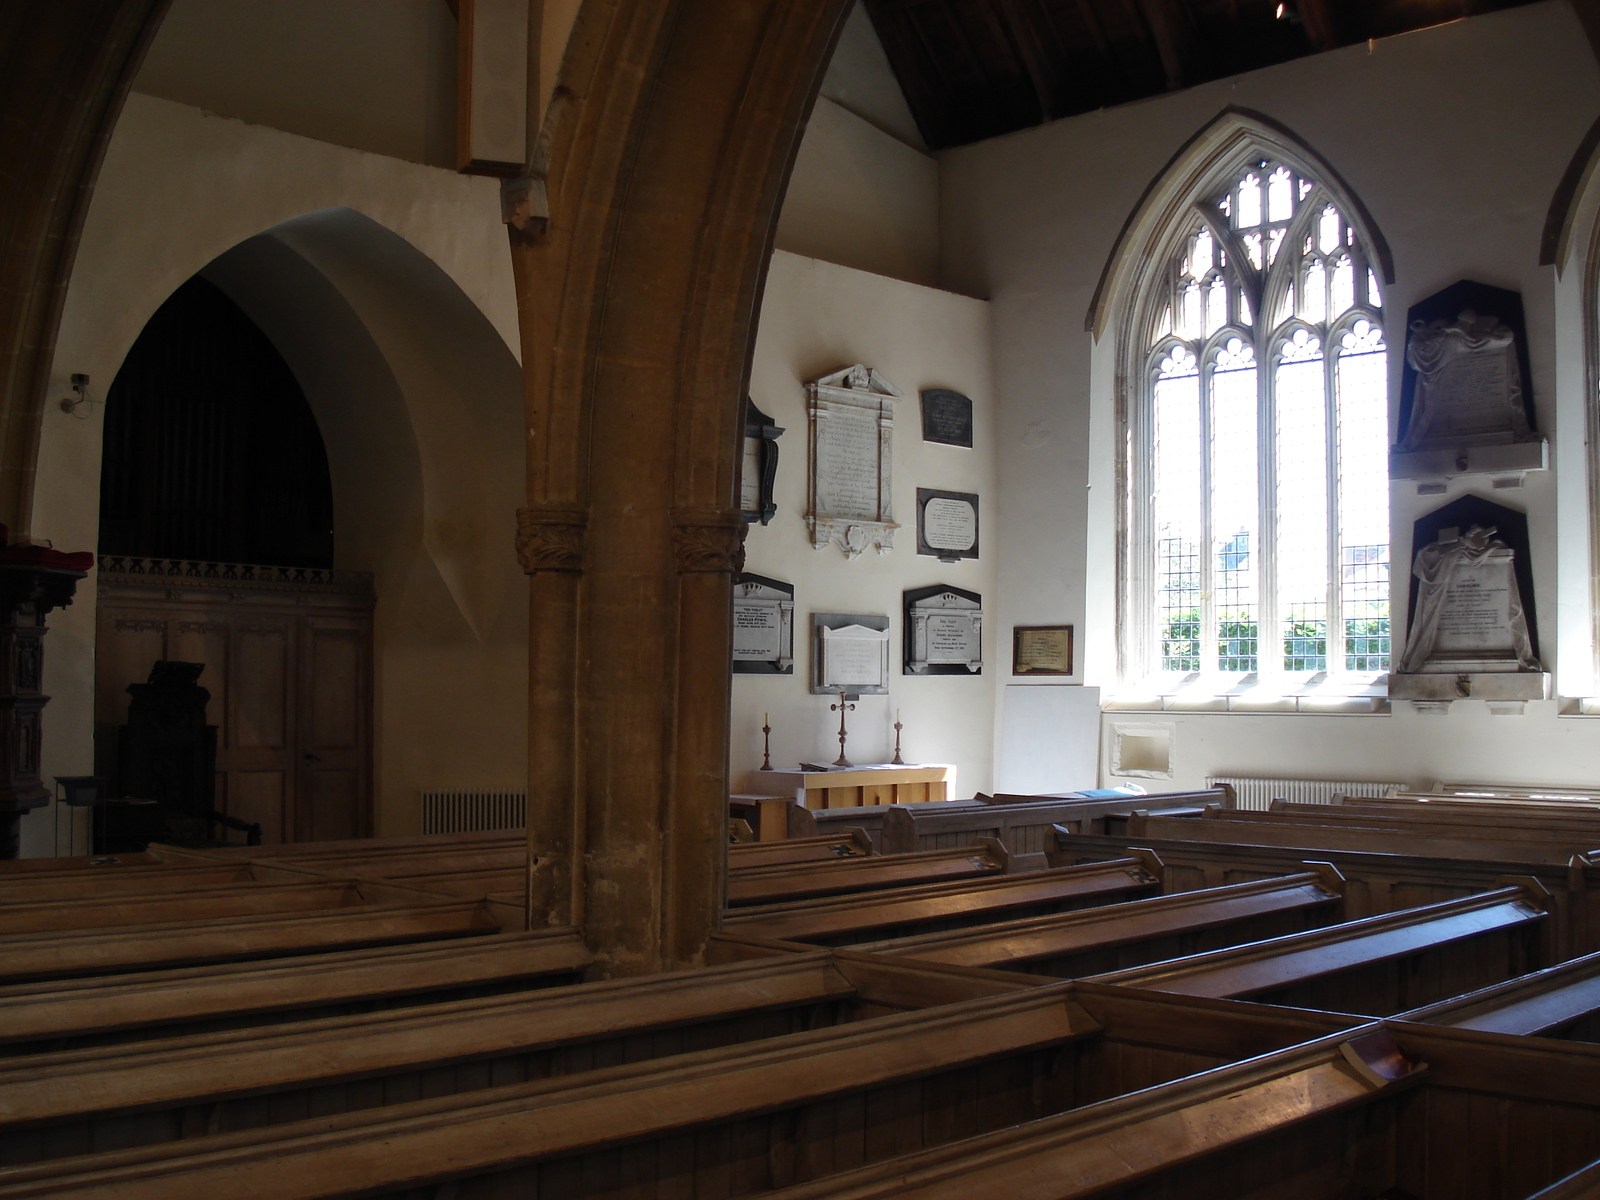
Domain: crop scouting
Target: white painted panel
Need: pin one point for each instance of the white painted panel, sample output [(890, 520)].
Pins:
[(1050, 739)]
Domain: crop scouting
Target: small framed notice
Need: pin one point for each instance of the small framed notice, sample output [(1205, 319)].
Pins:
[(947, 524), (1041, 650)]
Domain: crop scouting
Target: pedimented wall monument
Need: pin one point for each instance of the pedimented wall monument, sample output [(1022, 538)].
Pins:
[(852, 450)]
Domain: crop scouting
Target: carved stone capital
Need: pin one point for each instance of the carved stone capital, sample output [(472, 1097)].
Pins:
[(708, 540), (550, 537)]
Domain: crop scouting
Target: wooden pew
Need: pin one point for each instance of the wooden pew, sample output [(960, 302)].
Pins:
[(806, 822), (1120, 936), (901, 912), (94, 883), (796, 881), (730, 1121), (1443, 822), (1376, 966), (1396, 1112), (216, 903), (1559, 1001), (103, 1010), (847, 843), (1495, 816), (81, 1101), (1023, 825), (65, 954), (1375, 882), (1311, 837)]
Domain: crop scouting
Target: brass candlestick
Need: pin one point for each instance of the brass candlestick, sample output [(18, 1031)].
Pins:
[(897, 761), (841, 708), (766, 741)]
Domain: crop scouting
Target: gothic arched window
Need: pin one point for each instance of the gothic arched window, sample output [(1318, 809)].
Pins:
[(1260, 438)]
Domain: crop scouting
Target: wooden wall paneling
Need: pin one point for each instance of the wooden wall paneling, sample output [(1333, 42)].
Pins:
[(254, 748), (334, 738)]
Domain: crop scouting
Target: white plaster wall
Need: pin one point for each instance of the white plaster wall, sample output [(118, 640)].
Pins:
[(864, 192), (1455, 138), (379, 77), (180, 188), (815, 318)]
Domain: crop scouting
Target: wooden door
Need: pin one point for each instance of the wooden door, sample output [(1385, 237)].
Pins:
[(288, 655)]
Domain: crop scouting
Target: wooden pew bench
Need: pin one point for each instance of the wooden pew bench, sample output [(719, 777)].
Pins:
[(1119, 936), (796, 881), (1426, 823), (807, 822), (1582, 1184), (901, 912), (233, 900), (730, 1121), (1377, 1111), (1312, 837), (64, 954), (81, 1101), (108, 1010), (1376, 966), (1023, 825), (1375, 882), (1562, 1001), (847, 843), (94, 883)]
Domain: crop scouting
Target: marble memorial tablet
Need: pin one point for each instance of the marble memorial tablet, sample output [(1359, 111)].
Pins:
[(947, 524), (763, 626), (943, 631), (1469, 386), (852, 449), (1469, 615), (850, 654), (946, 417)]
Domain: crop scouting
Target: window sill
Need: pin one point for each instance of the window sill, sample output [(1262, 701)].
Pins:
[(1352, 695)]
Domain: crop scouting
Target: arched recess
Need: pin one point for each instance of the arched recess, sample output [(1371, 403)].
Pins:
[(1571, 244), (417, 397)]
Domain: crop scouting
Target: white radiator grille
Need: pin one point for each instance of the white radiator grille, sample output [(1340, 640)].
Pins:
[(1260, 793), (473, 812)]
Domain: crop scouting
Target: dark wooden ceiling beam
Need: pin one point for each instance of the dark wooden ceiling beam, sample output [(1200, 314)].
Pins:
[(1319, 25), (1167, 27), (1012, 28)]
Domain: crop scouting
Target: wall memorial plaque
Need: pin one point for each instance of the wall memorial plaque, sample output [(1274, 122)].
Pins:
[(1471, 633), (943, 631), (946, 417), (852, 449), (947, 524), (1041, 650), (1464, 402), (758, 468), (849, 654), (763, 626)]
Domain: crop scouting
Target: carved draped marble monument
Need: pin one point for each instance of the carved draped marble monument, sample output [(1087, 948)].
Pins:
[(1464, 403), (1469, 635), (852, 448)]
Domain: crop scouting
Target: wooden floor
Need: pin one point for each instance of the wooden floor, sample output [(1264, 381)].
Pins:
[(1188, 1001)]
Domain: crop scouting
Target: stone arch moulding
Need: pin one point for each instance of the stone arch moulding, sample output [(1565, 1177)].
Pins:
[(1568, 201), (1231, 137)]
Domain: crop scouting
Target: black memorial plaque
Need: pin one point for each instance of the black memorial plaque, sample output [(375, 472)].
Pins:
[(946, 417)]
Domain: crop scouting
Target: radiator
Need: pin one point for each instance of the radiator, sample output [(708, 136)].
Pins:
[(472, 812), (1260, 793)]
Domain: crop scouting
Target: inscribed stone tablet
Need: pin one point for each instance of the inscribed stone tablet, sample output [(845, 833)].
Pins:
[(847, 466), (950, 524), (952, 638), (1477, 610), (853, 657), (757, 631), (946, 417)]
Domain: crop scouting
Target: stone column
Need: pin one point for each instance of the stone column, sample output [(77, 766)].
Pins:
[(640, 239), (28, 591)]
